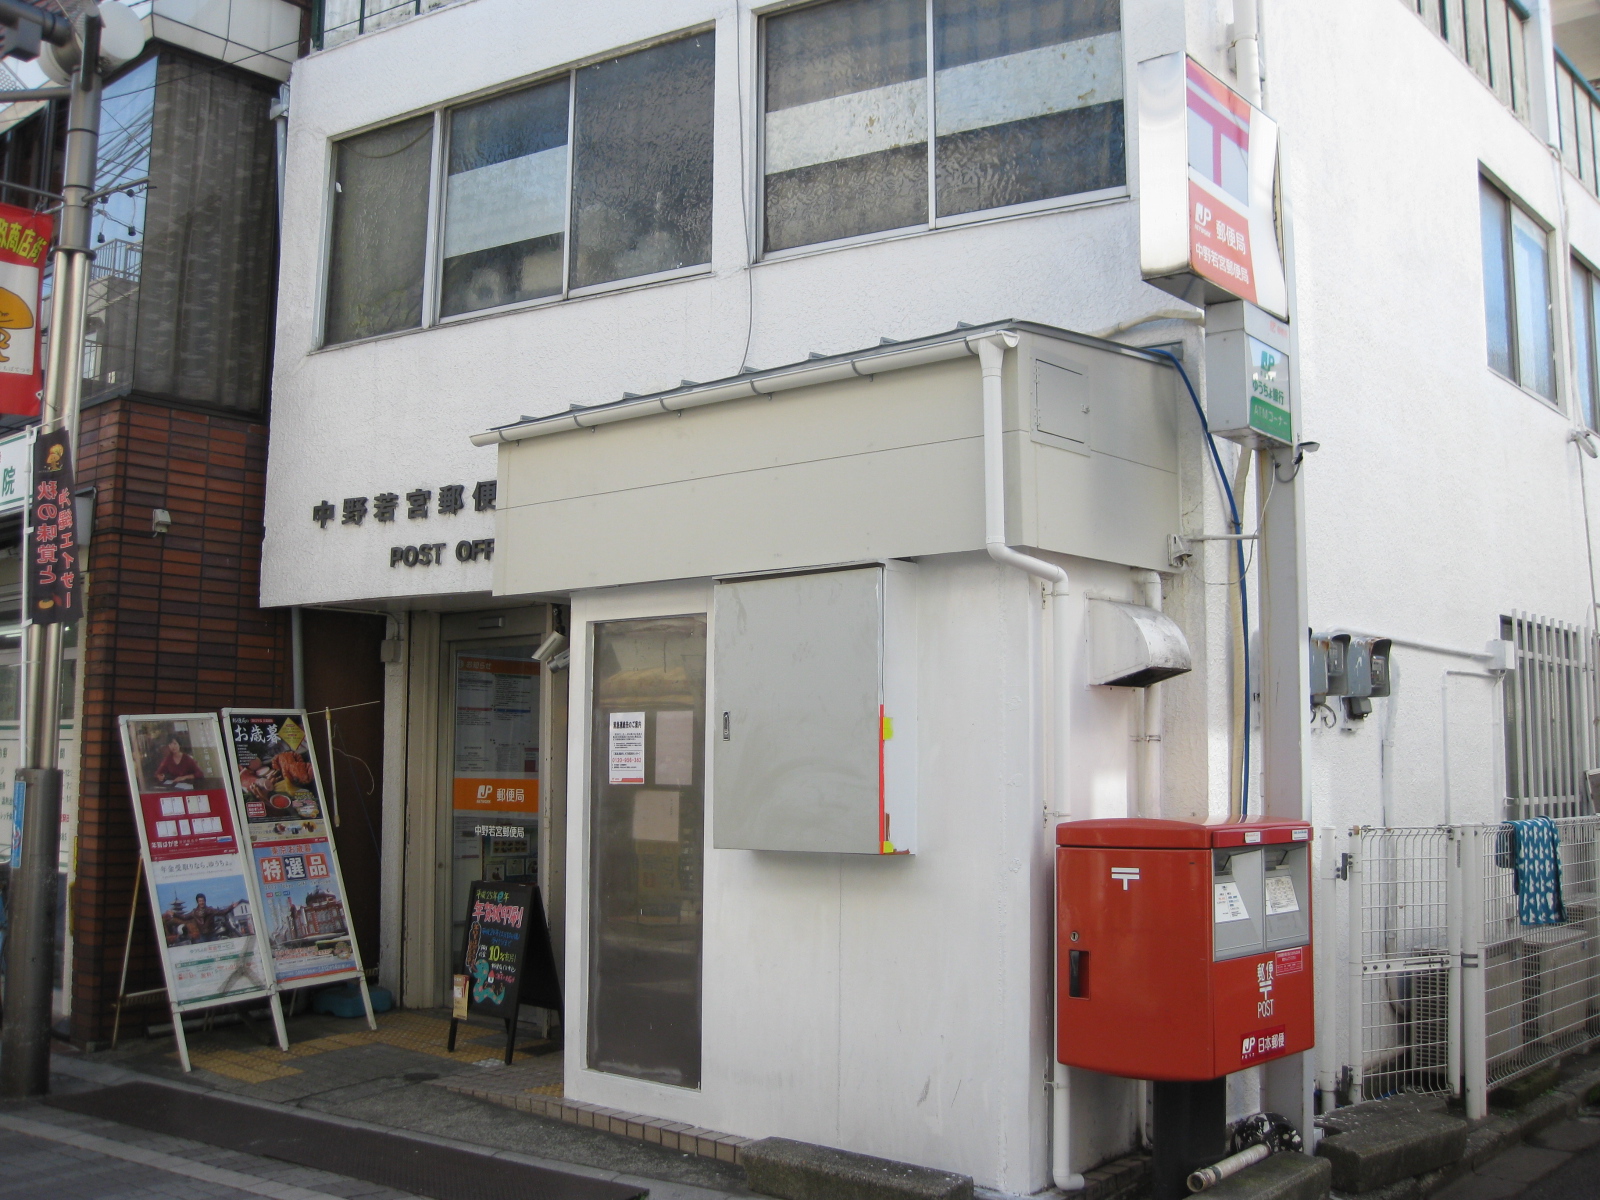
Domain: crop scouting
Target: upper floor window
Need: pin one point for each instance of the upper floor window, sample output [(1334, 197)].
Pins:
[(1586, 341), (1490, 36), (597, 176), (1024, 104), (1516, 290)]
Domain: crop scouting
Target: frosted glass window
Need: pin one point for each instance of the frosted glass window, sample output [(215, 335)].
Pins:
[(846, 124), (1027, 101), (642, 134), (647, 848), (505, 209), (1516, 286), (380, 223)]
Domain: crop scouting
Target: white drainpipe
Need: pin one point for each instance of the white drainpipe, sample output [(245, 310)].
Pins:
[(991, 354), (1150, 761), (1247, 49)]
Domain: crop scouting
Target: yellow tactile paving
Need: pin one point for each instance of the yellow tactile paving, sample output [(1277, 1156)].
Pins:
[(247, 1066), (407, 1030)]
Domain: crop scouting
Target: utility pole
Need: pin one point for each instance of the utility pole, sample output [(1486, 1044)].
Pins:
[(30, 944)]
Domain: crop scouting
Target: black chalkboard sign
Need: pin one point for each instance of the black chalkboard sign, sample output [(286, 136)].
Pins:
[(507, 958)]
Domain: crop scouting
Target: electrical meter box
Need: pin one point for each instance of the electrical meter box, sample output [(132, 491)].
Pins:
[(1249, 380), (1183, 950)]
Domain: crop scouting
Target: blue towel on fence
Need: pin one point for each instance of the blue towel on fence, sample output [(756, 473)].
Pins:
[(1536, 859)]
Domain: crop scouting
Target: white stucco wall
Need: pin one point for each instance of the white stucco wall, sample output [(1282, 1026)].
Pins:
[(1444, 495), (896, 1006)]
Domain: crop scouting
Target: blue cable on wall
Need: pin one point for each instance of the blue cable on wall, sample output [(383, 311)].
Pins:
[(1238, 552)]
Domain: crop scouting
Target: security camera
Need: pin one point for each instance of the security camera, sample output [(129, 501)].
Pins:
[(553, 644)]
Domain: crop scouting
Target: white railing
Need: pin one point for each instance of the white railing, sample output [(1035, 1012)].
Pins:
[(1578, 118), (1450, 992), (1490, 36)]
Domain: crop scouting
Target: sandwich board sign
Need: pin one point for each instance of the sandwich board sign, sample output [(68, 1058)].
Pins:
[(289, 841), (203, 897), (506, 959)]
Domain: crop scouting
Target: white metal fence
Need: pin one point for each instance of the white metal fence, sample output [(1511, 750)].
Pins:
[(1401, 954), (1452, 993)]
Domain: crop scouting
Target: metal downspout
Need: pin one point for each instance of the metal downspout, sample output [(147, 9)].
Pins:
[(991, 354)]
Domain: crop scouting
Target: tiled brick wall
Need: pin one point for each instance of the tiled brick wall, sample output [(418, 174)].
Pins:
[(172, 627)]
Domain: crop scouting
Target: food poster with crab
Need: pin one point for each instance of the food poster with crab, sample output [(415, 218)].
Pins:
[(200, 880), (24, 243), (291, 844)]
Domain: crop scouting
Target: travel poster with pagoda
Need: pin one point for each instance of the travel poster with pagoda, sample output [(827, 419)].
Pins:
[(287, 825)]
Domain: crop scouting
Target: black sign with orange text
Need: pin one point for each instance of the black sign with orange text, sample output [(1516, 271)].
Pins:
[(55, 581)]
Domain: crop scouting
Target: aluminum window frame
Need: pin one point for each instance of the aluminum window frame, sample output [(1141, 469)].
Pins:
[(1585, 341), (433, 243), (934, 223), (1553, 287), (598, 606)]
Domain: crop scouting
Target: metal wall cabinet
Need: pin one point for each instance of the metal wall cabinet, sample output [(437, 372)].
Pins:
[(814, 711)]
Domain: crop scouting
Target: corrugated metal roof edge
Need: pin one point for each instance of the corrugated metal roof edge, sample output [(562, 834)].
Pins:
[(893, 356)]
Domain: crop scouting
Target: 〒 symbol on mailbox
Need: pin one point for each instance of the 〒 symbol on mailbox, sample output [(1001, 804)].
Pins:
[(1125, 875)]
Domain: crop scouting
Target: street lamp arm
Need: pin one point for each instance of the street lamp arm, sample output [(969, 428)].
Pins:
[(49, 93)]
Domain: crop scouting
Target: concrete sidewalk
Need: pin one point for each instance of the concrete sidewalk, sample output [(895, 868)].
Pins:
[(402, 1078), (1558, 1163)]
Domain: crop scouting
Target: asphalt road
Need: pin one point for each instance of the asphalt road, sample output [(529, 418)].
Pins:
[(1558, 1163), (1577, 1179)]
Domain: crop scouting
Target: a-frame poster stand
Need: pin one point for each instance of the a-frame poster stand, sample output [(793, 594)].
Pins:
[(283, 809), (207, 909)]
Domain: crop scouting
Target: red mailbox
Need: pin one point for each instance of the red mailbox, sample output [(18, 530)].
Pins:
[(1184, 950)]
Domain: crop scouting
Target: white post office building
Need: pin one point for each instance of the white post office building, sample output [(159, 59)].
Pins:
[(828, 376)]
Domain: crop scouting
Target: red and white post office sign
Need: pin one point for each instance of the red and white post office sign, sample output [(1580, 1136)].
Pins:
[(1208, 165)]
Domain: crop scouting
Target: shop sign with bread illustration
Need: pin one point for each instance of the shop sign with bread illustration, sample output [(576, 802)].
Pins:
[(24, 242)]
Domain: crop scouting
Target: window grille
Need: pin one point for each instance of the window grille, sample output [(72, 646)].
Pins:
[(1550, 712)]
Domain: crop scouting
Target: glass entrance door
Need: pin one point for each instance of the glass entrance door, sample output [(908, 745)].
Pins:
[(494, 802), (647, 838)]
